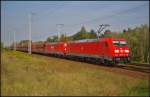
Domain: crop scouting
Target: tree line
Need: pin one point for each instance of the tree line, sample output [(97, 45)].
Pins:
[(137, 39), (82, 34), (138, 42)]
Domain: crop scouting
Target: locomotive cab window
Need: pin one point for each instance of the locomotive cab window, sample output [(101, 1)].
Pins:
[(119, 43), (123, 43), (116, 43)]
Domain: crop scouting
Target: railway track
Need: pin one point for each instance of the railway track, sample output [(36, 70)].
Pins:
[(132, 66), (135, 67), (142, 65)]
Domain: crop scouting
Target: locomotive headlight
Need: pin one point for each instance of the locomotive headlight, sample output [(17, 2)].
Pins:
[(116, 51), (126, 51), (65, 49)]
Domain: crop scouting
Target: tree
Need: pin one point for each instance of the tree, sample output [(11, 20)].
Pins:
[(92, 34), (24, 42), (52, 39), (63, 38), (82, 34), (40, 41)]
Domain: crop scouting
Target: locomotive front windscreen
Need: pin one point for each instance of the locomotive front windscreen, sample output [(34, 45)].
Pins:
[(119, 43)]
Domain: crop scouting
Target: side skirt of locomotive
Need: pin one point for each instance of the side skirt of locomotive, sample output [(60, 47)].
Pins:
[(99, 59), (115, 60), (87, 58), (83, 57), (121, 60)]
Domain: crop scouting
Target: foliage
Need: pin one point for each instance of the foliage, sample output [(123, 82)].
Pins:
[(138, 41), (64, 38), (24, 42), (52, 39), (83, 34), (39, 41)]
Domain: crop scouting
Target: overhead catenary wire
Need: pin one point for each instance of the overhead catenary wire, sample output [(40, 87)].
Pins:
[(92, 20), (106, 17), (52, 11), (103, 18)]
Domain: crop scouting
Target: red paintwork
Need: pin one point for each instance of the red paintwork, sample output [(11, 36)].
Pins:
[(101, 48), (22, 47), (89, 48), (123, 48), (97, 48), (38, 47), (57, 47)]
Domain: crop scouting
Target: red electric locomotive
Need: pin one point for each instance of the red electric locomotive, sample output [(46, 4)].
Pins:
[(38, 47), (108, 50), (58, 48)]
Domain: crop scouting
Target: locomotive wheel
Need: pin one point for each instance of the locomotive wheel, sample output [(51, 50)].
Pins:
[(106, 62), (113, 63), (103, 60), (109, 63)]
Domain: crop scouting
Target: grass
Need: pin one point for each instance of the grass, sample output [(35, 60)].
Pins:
[(24, 74)]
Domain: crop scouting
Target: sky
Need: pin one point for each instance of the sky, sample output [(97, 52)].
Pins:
[(46, 15)]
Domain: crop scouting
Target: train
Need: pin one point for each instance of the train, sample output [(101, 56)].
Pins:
[(105, 50)]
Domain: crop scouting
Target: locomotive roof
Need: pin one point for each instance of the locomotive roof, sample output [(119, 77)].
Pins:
[(54, 42), (85, 40), (94, 40)]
